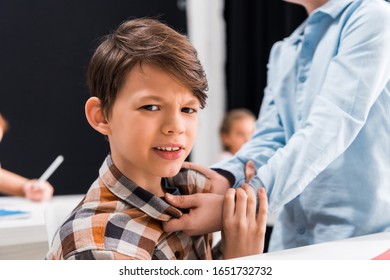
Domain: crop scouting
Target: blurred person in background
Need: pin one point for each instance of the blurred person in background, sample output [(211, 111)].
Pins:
[(236, 129), (17, 185)]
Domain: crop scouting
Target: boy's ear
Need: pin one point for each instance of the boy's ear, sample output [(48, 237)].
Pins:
[(95, 116)]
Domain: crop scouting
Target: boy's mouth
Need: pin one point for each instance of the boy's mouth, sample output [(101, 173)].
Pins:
[(168, 149), (170, 152)]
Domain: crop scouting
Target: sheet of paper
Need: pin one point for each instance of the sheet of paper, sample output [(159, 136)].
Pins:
[(9, 214)]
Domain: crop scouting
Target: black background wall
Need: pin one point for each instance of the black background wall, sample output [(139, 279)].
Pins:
[(44, 49), (45, 46), (252, 27)]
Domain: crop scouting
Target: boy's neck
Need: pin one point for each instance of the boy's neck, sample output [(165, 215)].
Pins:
[(147, 181), (154, 187), (159, 191)]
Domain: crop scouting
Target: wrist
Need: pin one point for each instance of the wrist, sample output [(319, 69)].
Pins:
[(230, 179)]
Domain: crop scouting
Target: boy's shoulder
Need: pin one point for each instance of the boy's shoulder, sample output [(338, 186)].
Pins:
[(104, 224), (122, 221), (190, 181)]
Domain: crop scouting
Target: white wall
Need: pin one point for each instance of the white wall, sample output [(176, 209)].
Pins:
[(206, 30)]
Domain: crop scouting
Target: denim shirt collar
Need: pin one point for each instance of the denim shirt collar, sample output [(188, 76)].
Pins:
[(332, 8)]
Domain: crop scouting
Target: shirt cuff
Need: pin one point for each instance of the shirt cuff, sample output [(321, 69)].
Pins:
[(229, 176), (256, 183)]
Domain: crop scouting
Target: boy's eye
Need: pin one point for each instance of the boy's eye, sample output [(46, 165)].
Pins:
[(150, 107), (188, 110)]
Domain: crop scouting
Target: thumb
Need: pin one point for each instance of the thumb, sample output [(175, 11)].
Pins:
[(181, 201), (250, 171), (174, 225)]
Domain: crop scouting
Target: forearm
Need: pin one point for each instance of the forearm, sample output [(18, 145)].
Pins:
[(11, 183), (225, 182), (269, 137)]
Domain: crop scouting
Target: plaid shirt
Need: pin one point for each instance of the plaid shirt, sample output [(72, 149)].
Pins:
[(119, 220)]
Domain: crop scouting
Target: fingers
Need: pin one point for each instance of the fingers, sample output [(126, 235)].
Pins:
[(243, 231), (229, 204), (174, 225), (250, 171), (37, 191), (240, 203), (204, 216), (250, 203), (217, 183), (263, 207), (182, 201), (204, 170)]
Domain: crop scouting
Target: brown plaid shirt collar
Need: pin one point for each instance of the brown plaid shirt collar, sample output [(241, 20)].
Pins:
[(119, 220), (134, 195)]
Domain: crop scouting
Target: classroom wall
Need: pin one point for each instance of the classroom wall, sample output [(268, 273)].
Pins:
[(206, 30), (45, 46)]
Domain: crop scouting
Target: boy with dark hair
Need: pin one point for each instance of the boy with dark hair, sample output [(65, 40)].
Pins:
[(147, 86)]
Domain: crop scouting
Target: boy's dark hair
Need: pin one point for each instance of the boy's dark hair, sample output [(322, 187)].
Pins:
[(143, 41)]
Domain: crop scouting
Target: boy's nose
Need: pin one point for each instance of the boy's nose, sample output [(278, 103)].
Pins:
[(173, 125)]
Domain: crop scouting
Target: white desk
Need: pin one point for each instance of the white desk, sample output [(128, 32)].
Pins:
[(356, 248), (26, 238)]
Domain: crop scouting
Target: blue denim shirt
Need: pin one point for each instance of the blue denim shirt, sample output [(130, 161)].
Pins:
[(322, 143)]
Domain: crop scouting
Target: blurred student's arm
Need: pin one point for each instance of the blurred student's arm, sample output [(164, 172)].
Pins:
[(14, 184)]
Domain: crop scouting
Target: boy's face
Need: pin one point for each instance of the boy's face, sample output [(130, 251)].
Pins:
[(153, 124)]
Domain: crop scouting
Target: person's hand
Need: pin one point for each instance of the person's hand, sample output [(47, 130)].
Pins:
[(205, 209), (204, 216), (219, 184), (36, 191), (243, 232)]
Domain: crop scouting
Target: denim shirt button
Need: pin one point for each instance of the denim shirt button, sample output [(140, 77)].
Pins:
[(301, 230)]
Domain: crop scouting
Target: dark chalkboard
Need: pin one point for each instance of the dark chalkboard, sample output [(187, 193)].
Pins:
[(45, 46)]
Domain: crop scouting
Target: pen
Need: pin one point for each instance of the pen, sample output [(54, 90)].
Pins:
[(50, 169)]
